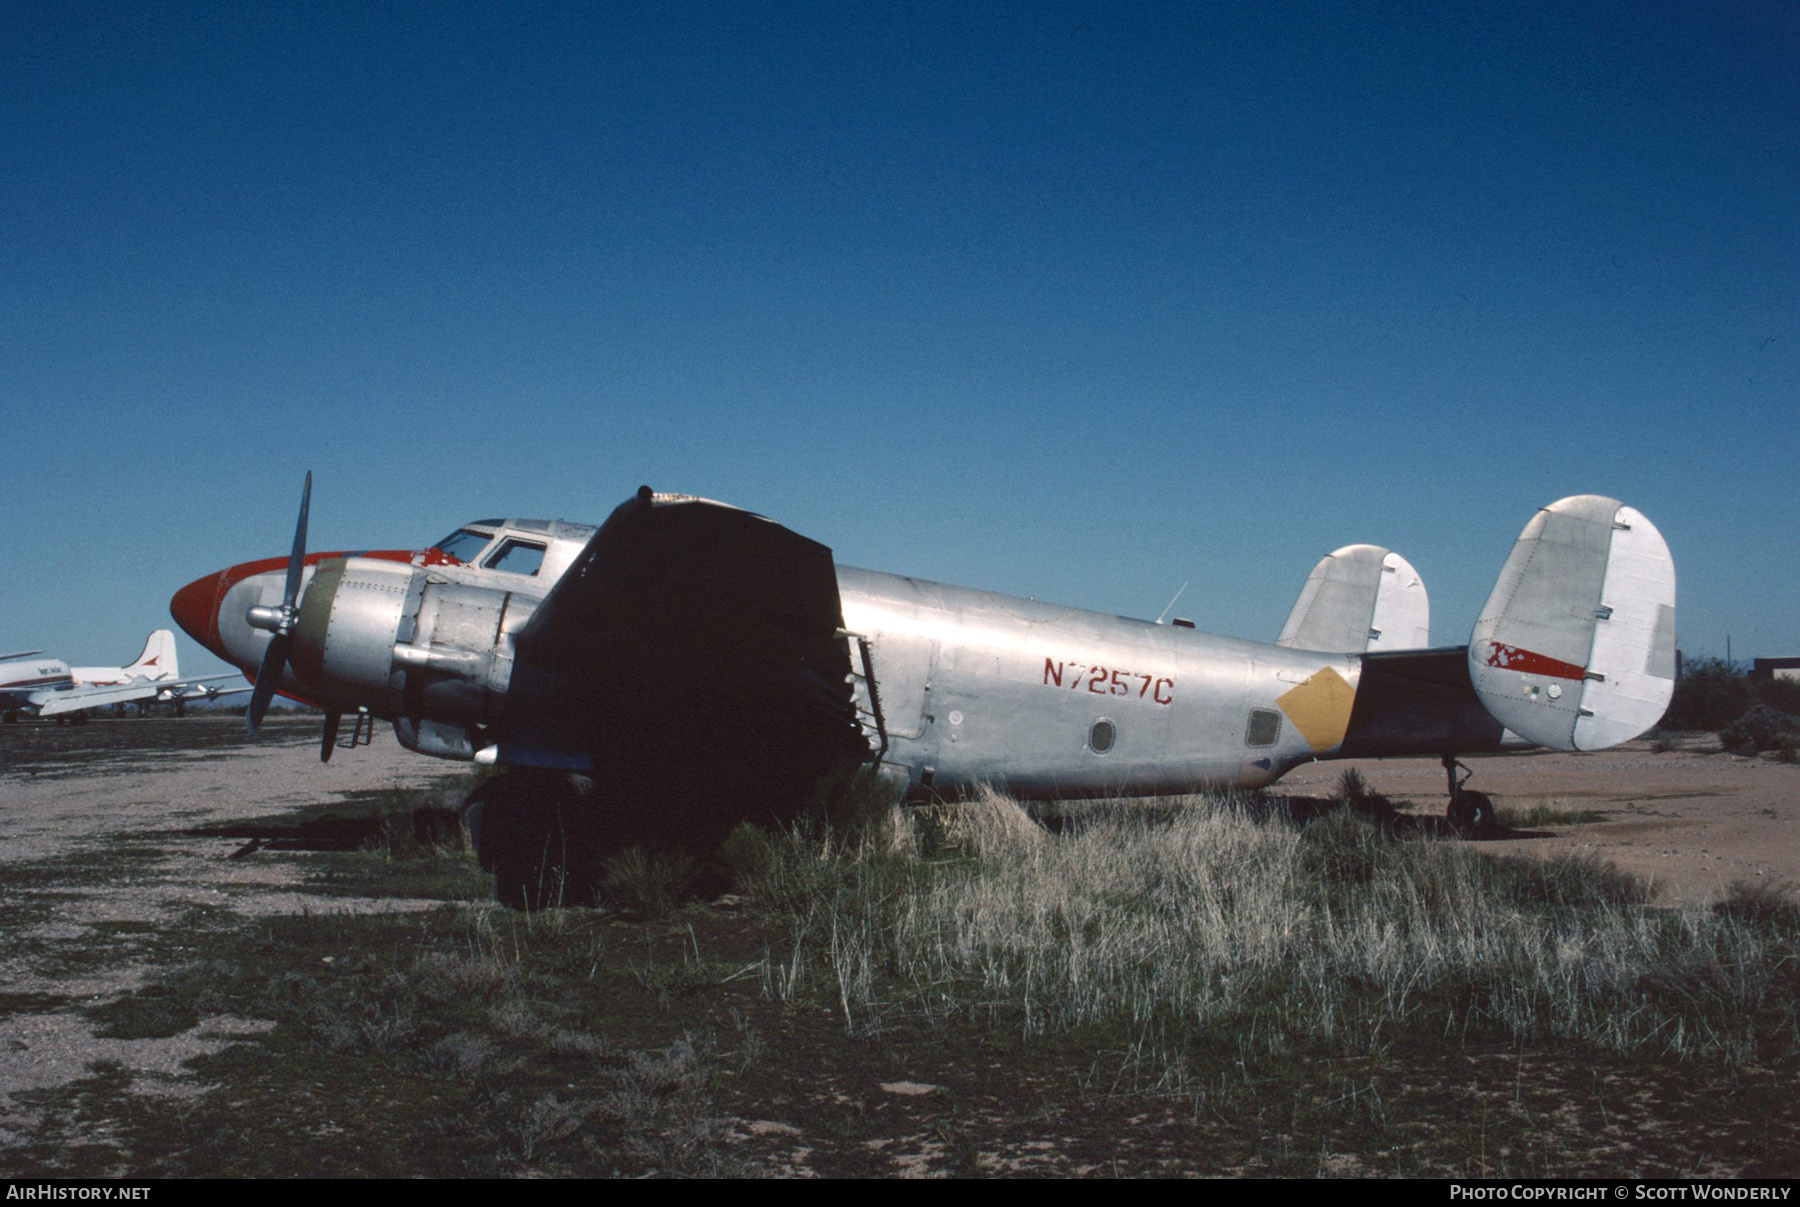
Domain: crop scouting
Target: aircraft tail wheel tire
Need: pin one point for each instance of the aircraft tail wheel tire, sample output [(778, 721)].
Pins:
[(1471, 814)]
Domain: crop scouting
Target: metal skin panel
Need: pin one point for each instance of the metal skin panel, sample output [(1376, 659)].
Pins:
[(450, 660), (1017, 704), (26, 677), (1402, 608), (349, 617)]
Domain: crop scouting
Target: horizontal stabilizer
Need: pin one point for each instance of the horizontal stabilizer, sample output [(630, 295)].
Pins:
[(1357, 599), (1575, 649)]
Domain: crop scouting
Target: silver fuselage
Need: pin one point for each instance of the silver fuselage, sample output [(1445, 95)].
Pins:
[(1048, 701), (970, 687)]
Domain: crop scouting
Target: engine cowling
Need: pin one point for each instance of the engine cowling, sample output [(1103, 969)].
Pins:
[(406, 643)]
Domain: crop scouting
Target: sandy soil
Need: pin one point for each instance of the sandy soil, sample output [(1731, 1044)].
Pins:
[(1692, 820)]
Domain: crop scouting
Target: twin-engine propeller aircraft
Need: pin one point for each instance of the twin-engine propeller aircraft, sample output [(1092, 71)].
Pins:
[(687, 665), (34, 684)]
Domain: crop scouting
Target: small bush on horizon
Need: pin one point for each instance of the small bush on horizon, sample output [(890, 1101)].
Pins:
[(1760, 728)]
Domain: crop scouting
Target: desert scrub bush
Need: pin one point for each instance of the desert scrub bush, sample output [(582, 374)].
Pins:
[(1199, 927), (988, 825), (1546, 813), (1759, 729), (1709, 696)]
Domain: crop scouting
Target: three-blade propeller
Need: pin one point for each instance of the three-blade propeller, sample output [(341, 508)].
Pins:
[(279, 621)]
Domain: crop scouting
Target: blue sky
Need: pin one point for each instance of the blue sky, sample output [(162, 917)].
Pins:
[(1077, 301)]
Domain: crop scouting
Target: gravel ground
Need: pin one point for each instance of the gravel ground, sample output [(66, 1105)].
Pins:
[(83, 794)]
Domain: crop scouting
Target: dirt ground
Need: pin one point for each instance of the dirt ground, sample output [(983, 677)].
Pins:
[(1691, 820), (111, 801)]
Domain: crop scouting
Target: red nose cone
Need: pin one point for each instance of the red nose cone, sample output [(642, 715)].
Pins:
[(196, 609)]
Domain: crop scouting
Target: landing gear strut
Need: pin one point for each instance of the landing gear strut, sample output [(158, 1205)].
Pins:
[(1470, 813)]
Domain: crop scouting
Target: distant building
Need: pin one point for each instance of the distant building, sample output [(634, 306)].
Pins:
[(1776, 668)]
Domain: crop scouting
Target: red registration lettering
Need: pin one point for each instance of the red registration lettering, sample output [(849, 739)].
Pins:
[(1106, 681)]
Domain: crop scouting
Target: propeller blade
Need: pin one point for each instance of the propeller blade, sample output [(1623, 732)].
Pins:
[(331, 731), (280, 621), (297, 559), (267, 676)]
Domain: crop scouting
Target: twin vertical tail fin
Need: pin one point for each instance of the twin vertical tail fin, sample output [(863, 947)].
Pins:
[(1357, 599), (1575, 649)]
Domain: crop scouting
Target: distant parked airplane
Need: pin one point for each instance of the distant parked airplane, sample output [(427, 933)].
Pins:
[(34, 684)]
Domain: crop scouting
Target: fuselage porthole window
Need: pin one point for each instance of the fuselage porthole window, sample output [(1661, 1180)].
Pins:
[(1264, 727), (1102, 736)]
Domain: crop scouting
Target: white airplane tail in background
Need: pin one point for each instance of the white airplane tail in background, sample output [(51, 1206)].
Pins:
[(158, 659), (1575, 649), (157, 664)]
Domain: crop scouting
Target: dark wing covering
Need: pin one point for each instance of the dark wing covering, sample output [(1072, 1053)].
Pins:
[(694, 652), (1418, 701)]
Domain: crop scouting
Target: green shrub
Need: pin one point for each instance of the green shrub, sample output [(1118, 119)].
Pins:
[(1759, 729), (647, 884)]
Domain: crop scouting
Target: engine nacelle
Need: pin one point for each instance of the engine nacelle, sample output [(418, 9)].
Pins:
[(405, 642)]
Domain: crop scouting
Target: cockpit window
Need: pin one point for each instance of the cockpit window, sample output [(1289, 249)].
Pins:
[(517, 557), (464, 544)]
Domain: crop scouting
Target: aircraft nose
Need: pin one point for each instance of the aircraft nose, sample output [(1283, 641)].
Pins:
[(196, 609)]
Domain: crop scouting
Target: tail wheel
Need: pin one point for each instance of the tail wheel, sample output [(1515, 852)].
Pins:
[(1471, 814)]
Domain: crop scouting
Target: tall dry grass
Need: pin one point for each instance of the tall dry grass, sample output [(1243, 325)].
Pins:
[(1194, 924)]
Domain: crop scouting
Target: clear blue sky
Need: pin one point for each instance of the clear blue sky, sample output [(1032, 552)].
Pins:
[(1079, 301)]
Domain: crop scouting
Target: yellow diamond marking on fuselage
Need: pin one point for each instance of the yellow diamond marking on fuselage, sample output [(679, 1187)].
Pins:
[(1320, 709)]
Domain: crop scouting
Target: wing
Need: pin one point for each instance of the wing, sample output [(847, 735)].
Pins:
[(690, 642), (75, 699), (201, 687)]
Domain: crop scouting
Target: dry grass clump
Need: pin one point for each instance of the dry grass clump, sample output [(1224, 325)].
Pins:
[(990, 825), (646, 884), (1197, 925), (1761, 903)]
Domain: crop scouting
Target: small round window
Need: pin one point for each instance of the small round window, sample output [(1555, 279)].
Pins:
[(1102, 736)]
